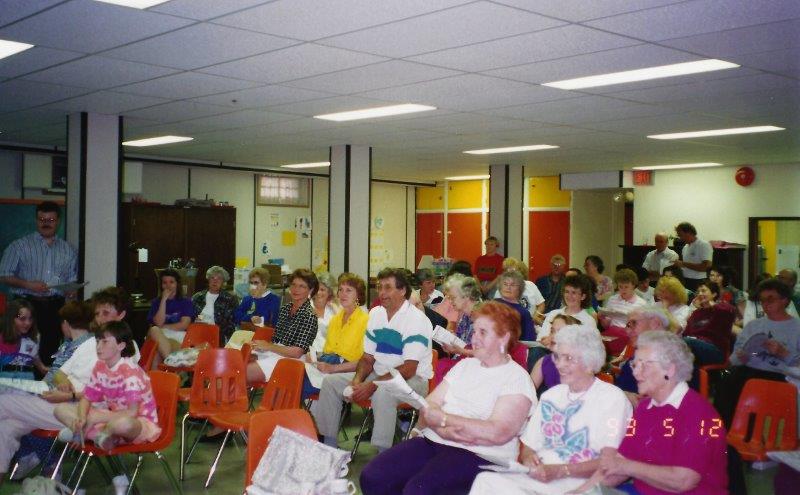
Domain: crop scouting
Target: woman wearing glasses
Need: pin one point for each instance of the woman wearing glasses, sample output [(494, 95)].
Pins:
[(573, 423)]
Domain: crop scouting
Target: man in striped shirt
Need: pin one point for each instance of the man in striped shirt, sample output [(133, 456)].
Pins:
[(33, 265)]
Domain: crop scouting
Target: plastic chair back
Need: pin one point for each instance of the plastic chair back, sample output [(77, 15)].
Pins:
[(165, 391), (219, 382), (285, 386), (771, 406), (262, 424), (606, 377), (201, 333), (247, 350), (263, 333), (147, 353)]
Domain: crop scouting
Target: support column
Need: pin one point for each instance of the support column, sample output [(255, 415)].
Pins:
[(506, 193), (349, 209), (93, 195)]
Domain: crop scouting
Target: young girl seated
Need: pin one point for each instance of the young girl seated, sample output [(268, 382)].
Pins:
[(118, 404), (19, 342), (544, 373)]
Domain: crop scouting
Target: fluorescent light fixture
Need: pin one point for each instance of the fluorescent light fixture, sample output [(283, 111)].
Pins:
[(8, 48), (136, 4), (718, 132), (511, 149), (369, 113), (307, 165), (468, 177), (678, 165), (627, 76), (155, 141)]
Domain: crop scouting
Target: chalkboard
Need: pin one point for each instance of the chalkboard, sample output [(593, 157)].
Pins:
[(18, 219)]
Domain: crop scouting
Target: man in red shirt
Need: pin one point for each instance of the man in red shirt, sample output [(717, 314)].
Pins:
[(489, 265)]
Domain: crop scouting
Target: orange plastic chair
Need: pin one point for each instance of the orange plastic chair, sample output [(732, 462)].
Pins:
[(704, 377), (769, 404), (263, 333), (148, 353), (165, 391), (197, 335), (606, 377), (261, 426), (283, 391), (219, 386)]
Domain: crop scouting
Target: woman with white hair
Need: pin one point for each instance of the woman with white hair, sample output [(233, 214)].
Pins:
[(675, 441), (573, 422), (325, 306), (215, 305), (464, 293)]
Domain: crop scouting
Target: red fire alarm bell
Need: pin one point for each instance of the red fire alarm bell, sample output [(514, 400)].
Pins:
[(745, 176)]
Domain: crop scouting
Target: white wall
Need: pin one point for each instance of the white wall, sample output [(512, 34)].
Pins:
[(388, 223), (319, 214), (597, 226), (712, 201)]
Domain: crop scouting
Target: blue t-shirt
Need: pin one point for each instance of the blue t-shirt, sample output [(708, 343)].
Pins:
[(175, 310), (267, 307)]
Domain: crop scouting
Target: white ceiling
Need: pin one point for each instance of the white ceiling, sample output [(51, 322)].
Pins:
[(245, 77)]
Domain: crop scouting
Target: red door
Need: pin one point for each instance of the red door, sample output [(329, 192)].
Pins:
[(464, 236), (429, 235), (548, 235)]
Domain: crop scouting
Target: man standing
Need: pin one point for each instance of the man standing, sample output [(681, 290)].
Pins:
[(31, 265), (489, 265), (550, 285), (696, 254), (398, 337), (659, 258)]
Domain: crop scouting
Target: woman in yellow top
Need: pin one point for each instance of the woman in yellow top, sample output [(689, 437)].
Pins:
[(344, 343)]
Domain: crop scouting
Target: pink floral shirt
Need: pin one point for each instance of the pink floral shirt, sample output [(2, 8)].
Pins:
[(118, 387)]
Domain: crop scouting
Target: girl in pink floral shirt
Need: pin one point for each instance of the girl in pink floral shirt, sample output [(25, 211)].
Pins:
[(118, 404)]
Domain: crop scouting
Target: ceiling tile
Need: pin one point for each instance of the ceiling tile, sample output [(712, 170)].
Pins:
[(106, 102), (199, 45), (698, 17), (581, 10), (18, 94), (465, 123), (293, 63), (310, 19), (375, 76), (662, 124), (243, 118), (262, 96), (30, 118), (472, 23), (329, 105), (109, 25), (98, 73), (751, 39), (185, 85), (786, 61), (34, 59), (177, 111), (13, 10), (204, 9), (550, 44)]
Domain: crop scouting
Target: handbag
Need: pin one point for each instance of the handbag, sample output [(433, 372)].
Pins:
[(294, 464)]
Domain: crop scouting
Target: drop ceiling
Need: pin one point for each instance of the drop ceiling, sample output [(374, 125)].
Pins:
[(245, 77)]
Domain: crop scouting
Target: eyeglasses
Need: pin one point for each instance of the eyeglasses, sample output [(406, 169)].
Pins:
[(564, 358), (24, 317), (631, 323), (639, 363), (46, 220)]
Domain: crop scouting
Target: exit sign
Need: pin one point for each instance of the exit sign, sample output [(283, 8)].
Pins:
[(642, 177)]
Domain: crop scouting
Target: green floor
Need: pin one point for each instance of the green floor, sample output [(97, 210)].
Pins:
[(229, 478)]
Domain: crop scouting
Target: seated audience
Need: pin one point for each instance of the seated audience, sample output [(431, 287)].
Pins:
[(215, 305), (604, 285), (19, 342), (573, 423), (709, 331), (550, 285), (671, 296), (465, 294), (643, 289), (325, 306), (428, 294), (723, 277), (476, 413), (445, 308), (510, 284), (398, 337), (169, 315), (617, 308), (545, 373), (261, 306), (675, 442), (531, 298), (677, 272)]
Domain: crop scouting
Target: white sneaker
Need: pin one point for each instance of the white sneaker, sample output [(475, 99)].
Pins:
[(25, 465), (66, 435)]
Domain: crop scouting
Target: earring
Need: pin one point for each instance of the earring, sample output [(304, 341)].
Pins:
[(502, 349), (666, 377)]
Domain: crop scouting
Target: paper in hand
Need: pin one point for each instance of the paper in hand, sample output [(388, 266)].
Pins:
[(443, 336), (399, 389)]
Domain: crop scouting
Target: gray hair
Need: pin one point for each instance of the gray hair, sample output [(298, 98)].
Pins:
[(515, 276), (466, 286), (658, 318), (326, 279), (669, 349), (218, 271), (587, 342), (425, 274)]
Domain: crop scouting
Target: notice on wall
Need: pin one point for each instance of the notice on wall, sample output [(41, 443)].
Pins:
[(274, 220), (288, 238)]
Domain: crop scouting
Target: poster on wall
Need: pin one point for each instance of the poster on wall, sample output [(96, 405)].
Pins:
[(379, 256), (303, 226), (274, 220)]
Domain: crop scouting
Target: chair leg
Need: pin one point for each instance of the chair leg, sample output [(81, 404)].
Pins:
[(216, 459), (139, 460), (75, 467), (103, 470), (367, 415), (196, 440), (342, 418), (59, 462), (182, 460), (47, 457), (83, 471), (175, 485)]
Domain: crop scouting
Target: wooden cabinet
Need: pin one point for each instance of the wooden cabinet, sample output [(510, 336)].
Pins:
[(206, 234)]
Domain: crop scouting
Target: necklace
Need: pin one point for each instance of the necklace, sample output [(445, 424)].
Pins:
[(579, 396)]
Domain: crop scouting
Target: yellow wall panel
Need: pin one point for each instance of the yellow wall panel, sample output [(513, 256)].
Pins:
[(430, 198), (768, 233), (544, 192), (464, 194)]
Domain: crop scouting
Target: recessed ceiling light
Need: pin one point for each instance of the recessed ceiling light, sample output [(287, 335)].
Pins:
[(678, 165), (136, 4), (718, 132), (307, 165), (468, 177), (155, 141), (369, 113), (8, 48), (511, 149), (643, 74)]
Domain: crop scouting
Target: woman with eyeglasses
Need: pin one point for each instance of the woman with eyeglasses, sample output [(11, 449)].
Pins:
[(675, 441), (572, 424)]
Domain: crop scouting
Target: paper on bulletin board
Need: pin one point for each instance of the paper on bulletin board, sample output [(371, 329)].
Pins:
[(274, 220), (288, 238)]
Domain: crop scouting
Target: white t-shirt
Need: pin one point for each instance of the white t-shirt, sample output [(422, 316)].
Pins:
[(656, 262), (473, 391), (322, 329), (583, 316), (619, 305), (208, 310), (681, 313), (406, 337), (696, 252), (572, 428), (648, 295), (79, 366)]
